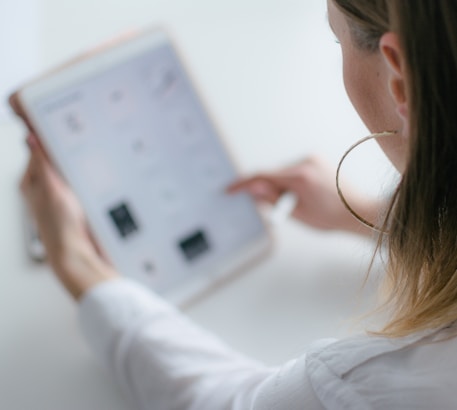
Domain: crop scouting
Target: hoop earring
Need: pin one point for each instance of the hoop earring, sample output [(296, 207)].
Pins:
[(340, 193)]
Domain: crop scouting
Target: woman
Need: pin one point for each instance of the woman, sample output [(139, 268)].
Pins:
[(400, 71)]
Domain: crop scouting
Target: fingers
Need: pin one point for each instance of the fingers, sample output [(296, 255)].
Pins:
[(263, 188), (298, 178), (32, 140), (34, 144), (38, 176), (245, 184), (33, 170), (38, 154), (31, 175)]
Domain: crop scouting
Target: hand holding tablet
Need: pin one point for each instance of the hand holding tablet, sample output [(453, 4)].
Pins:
[(127, 130)]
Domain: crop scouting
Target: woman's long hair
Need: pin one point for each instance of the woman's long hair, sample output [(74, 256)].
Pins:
[(422, 217)]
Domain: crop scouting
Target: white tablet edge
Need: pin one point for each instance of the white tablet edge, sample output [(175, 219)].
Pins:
[(193, 289)]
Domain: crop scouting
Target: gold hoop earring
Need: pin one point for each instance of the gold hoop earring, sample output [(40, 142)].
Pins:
[(340, 193)]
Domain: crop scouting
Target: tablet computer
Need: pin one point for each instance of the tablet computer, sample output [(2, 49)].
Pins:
[(127, 129)]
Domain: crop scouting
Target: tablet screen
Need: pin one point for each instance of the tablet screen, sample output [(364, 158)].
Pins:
[(138, 148)]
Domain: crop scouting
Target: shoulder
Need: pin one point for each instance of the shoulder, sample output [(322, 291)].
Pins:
[(377, 373)]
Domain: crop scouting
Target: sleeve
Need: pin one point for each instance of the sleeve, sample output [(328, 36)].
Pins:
[(163, 361)]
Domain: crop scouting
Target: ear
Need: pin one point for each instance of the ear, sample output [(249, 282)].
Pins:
[(393, 56)]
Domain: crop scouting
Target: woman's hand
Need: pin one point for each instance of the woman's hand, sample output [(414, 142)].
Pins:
[(70, 248), (319, 206)]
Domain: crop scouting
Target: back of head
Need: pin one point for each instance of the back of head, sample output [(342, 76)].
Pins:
[(422, 219)]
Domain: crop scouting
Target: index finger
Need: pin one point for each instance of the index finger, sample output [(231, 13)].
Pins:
[(246, 183), (261, 187)]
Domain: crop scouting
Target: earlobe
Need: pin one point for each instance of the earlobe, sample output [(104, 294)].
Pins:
[(393, 56), (398, 92)]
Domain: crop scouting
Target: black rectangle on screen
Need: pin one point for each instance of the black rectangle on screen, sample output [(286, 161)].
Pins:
[(194, 245), (123, 220)]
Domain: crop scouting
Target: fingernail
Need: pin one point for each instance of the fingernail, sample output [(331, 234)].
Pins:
[(31, 142), (259, 190)]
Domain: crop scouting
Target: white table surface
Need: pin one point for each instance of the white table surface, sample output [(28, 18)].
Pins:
[(270, 70)]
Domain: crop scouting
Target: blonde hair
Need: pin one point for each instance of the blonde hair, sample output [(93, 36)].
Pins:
[(422, 217)]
